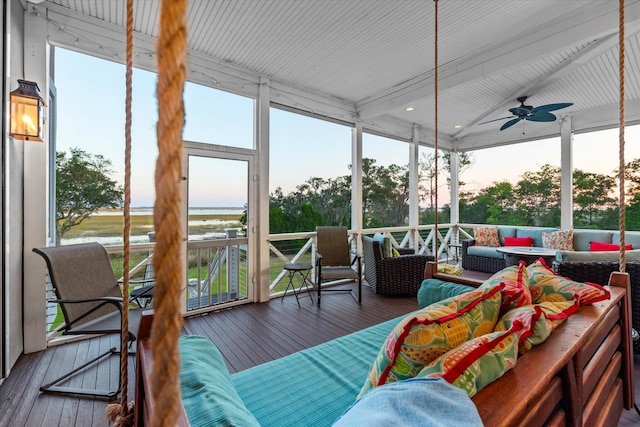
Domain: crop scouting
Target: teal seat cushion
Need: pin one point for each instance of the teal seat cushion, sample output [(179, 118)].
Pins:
[(612, 256), (485, 251), (312, 387), (434, 290), (208, 395)]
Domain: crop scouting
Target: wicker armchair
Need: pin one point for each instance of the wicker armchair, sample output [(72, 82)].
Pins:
[(400, 275), (599, 272)]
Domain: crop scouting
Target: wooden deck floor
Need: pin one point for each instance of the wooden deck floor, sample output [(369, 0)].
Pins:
[(247, 336)]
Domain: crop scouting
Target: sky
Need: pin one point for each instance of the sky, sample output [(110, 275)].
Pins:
[(301, 147)]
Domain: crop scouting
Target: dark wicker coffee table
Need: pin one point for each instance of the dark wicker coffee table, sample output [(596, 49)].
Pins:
[(528, 254)]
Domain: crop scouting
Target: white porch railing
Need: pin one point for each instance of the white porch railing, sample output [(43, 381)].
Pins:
[(218, 268)]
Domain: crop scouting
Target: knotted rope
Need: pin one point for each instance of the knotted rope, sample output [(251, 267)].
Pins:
[(168, 257), (621, 221), (122, 415), (435, 166)]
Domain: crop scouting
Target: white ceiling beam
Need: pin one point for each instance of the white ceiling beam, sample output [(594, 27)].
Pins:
[(569, 30)]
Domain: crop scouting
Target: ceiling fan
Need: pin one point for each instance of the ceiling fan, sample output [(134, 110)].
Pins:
[(528, 112)]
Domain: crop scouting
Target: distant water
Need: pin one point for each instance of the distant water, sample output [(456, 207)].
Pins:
[(192, 211)]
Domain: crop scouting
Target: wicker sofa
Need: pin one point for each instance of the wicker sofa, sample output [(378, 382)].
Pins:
[(488, 260), (392, 275)]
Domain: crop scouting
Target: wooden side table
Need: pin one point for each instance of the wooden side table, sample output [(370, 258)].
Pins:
[(303, 270)]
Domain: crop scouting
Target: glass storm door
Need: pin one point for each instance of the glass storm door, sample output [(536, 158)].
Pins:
[(219, 271)]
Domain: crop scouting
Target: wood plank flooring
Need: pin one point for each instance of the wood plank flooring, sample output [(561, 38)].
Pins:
[(246, 335)]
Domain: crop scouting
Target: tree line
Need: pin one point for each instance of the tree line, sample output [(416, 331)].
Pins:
[(83, 185), (533, 200)]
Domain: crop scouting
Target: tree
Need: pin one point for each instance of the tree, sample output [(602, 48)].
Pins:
[(83, 186), (591, 197)]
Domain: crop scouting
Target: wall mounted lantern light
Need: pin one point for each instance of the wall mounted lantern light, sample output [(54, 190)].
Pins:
[(27, 112)]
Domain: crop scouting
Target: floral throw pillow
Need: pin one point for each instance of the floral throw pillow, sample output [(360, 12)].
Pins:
[(561, 240), (486, 236), (426, 334)]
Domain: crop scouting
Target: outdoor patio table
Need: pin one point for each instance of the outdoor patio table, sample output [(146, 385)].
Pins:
[(513, 254), (303, 271)]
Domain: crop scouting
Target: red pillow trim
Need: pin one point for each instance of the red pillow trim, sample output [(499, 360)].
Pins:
[(518, 241), (544, 264), (605, 247)]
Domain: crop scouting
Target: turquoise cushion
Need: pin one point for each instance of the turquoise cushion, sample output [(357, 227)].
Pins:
[(632, 255), (434, 290), (629, 238), (385, 244), (485, 251), (208, 395), (534, 233), (312, 387), (506, 231), (581, 238)]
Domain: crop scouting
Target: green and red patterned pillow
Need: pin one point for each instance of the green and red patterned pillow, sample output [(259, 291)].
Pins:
[(515, 292), (431, 332), (542, 318), (546, 285), (479, 361)]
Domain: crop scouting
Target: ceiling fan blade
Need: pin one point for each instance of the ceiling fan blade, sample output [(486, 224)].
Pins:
[(495, 120), (510, 123), (541, 117), (551, 107)]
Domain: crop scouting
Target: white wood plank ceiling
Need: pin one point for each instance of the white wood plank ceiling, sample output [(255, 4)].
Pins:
[(370, 59)]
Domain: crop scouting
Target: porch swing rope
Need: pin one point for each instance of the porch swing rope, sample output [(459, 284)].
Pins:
[(122, 414), (435, 165), (621, 221), (168, 262)]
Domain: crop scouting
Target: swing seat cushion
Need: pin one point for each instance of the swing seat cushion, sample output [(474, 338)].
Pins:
[(208, 394)]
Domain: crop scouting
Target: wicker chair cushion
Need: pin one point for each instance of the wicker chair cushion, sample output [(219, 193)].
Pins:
[(485, 251), (604, 256), (385, 244), (477, 362), (424, 335)]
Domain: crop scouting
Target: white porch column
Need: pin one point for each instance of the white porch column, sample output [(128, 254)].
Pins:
[(566, 174), (262, 212), (454, 165), (356, 183), (36, 190), (414, 183)]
